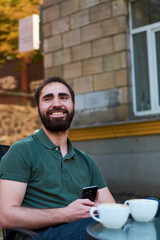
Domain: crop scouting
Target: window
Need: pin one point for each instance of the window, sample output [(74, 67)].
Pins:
[(145, 43)]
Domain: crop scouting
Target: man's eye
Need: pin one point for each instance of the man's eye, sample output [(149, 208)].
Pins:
[(64, 97), (47, 99)]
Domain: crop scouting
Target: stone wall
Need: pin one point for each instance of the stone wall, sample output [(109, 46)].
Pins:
[(17, 122), (87, 43)]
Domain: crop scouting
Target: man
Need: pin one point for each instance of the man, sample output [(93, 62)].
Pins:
[(42, 175)]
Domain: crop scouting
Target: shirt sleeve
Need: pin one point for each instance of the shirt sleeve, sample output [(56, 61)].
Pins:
[(97, 177), (15, 165)]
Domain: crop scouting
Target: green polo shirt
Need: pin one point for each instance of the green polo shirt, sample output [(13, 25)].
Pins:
[(52, 180)]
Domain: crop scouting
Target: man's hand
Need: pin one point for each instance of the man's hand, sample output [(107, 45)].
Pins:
[(78, 209)]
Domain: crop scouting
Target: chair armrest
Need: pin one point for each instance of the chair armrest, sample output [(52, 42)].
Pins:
[(11, 233)]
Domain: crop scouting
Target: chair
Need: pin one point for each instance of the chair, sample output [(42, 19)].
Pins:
[(17, 233)]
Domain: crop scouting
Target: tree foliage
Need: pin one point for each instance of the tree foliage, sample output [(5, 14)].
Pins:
[(11, 11)]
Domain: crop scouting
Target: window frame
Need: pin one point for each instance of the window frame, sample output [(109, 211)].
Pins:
[(150, 30)]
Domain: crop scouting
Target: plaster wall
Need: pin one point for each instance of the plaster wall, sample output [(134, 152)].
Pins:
[(131, 165)]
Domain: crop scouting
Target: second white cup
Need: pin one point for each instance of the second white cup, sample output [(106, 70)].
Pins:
[(142, 210)]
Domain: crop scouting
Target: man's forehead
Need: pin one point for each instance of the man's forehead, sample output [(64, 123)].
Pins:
[(55, 88)]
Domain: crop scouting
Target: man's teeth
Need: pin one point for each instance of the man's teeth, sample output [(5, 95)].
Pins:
[(57, 113)]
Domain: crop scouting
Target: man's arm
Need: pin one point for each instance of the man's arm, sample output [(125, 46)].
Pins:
[(13, 215), (104, 196)]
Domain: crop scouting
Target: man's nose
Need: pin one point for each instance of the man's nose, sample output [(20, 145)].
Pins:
[(56, 102)]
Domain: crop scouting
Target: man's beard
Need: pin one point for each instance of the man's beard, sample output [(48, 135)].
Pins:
[(56, 124)]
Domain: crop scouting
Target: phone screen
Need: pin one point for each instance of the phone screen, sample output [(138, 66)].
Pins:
[(90, 192)]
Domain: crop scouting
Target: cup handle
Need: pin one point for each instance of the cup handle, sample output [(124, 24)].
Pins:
[(126, 202), (92, 210)]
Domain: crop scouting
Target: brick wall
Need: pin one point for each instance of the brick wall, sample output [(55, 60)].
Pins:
[(87, 43)]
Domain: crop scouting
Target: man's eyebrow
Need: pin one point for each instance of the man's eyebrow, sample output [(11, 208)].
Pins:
[(47, 95), (63, 94)]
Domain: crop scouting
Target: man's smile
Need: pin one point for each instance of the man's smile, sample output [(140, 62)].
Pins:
[(57, 113)]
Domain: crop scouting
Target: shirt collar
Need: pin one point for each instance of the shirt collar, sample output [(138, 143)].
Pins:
[(46, 142), (71, 153), (44, 139)]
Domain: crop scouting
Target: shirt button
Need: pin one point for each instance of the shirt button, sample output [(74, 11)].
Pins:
[(56, 149)]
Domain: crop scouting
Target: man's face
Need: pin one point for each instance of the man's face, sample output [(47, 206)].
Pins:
[(56, 108)]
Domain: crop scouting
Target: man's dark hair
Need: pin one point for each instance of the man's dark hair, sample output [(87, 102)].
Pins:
[(50, 80)]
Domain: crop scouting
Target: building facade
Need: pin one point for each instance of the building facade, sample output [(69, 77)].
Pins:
[(109, 52)]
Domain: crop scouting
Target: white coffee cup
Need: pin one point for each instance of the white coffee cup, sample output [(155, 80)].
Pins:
[(142, 210), (111, 215)]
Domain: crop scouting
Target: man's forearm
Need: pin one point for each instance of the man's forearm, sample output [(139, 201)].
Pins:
[(32, 218)]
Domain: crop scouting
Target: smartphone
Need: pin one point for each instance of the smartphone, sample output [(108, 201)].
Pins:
[(90, 192)]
